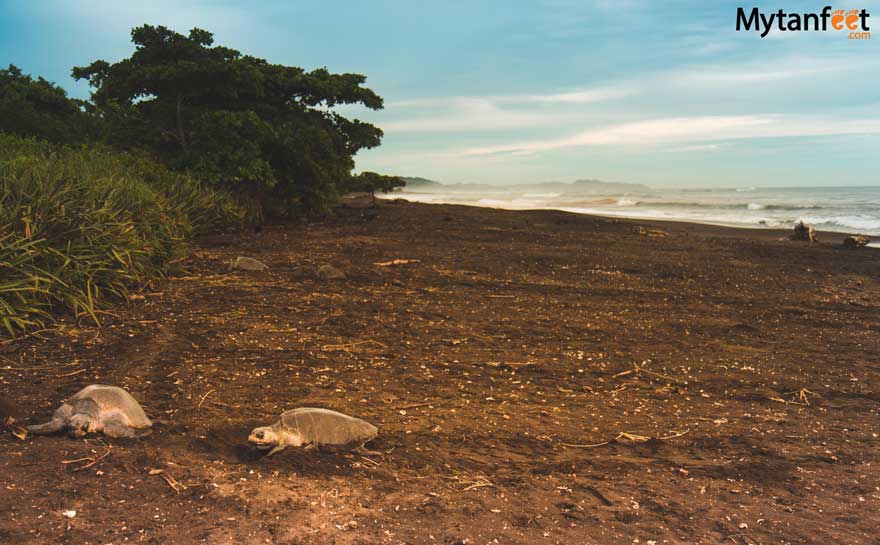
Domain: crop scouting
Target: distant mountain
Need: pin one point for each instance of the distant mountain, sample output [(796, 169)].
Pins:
[(595, 185), (415, 181), (584, 185)]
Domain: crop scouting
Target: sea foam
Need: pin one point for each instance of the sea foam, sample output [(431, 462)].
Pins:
[(850, 210)]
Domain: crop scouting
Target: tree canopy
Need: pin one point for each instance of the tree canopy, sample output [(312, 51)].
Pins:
[(37, 107), (372, 182), (234, 120)]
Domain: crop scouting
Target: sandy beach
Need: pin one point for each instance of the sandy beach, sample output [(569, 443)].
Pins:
[(536, 376)]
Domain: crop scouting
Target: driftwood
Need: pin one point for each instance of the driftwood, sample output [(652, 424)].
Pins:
[(856, 241), (805, 232)]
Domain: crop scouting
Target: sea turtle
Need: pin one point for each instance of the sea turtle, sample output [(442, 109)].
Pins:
[(248, 264), (97, 408), (310, 427), (329, 272)]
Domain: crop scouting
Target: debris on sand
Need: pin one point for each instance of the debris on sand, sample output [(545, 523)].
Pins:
[(804, 232), (504, 344), (652, 232), (395, 262), (248, 264), (856, 241), (329, 272)]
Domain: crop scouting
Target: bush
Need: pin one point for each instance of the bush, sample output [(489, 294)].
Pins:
[(80, 226)]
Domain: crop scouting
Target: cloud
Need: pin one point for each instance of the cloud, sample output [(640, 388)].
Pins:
[(575, 96), (498, 112), (583, 96), (565, 108), (473, 114), (697, 147), (780, 69), (680, 130)]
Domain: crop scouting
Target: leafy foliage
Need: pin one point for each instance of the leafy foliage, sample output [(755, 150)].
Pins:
[(372, 182), (80, 226), (36, 107), (211, 139), (234, 120)]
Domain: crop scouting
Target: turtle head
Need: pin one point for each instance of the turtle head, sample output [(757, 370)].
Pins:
[(263, 438), (81, 425)]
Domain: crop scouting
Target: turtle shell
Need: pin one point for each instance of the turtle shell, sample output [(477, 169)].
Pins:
[(326, 427), (114, 399)]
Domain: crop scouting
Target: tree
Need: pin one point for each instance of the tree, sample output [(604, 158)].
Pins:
[(234, 120), (38, 108), (371, 182)]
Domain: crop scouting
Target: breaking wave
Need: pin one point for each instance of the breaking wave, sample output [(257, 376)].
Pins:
[(541, 195), (853, 210)]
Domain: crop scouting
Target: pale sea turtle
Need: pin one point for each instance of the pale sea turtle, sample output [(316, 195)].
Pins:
[(310, 427), (97, 408), (248, 264)]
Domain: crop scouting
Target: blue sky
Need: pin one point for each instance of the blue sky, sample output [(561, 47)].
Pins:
[(661, 93)]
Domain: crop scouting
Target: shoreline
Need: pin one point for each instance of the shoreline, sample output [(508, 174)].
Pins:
[(686, 225), (427, 198)]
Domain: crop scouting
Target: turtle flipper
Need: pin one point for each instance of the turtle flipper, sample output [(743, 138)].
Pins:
[(276, 449), (53, 426), (59, 422), (363, 450), (115, 428)]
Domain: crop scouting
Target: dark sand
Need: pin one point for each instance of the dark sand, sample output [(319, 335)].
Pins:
[(720, 385)]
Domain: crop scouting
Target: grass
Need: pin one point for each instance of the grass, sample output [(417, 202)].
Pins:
[(79, 227)]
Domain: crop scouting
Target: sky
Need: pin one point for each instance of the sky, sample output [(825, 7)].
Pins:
[(666, 94)]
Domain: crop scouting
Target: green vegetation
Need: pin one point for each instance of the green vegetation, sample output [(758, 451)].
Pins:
[(233, 120), (372, 182), (180, 139), (36, 107), (80, 226)]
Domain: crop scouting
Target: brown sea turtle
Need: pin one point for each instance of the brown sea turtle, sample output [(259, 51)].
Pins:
[(97, 408), (309, 427)]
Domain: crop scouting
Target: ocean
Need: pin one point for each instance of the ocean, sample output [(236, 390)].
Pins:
[(842, 209)]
